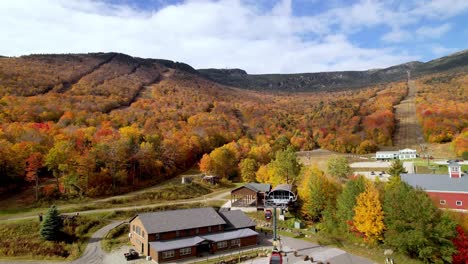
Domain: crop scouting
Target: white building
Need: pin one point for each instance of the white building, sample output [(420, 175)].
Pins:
[(407, 154), (401, 154), (386, 155)]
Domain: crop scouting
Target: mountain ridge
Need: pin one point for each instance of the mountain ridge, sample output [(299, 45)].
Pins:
[(238, 78), (334, 80)]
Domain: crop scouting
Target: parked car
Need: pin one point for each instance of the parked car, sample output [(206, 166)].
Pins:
[(276, 257), (132, 254), (372, 173)]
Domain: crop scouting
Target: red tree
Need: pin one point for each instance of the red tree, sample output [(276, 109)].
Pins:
[(34, 163), (461, 243)]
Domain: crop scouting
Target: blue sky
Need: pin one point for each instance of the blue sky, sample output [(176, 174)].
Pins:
[(260, 36)]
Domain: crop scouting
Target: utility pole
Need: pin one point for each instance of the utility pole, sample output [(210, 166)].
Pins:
[(274, 225)]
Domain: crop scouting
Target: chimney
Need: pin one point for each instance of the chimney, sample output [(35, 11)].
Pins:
[(454, 170)]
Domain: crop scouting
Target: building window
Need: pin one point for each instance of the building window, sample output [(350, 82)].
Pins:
[(235, 242), (156, 236), (185, 251), (143, 233), (220, 228), (209, 229), (168, 254), (177, 233), (442, 202), (197, 231), (459, 203), (133, 227), (222, 244), (138, 230)]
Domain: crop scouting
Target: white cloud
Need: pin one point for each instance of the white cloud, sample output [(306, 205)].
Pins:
[(225, 33), (433, 32), (396, 35)]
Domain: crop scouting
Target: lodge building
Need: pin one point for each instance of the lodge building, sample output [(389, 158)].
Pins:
[(172, 235), (447, 191)]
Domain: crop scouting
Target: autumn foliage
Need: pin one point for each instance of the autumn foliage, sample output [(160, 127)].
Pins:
[(442, 108)]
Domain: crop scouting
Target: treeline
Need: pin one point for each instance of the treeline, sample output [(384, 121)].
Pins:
[(126, 122), (381, 214), (442, 109)]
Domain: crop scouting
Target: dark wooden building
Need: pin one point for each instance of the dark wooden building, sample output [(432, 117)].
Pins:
[(171, 235), (250, 195)]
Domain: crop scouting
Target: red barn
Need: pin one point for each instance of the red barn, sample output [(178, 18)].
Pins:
[(448, 191)]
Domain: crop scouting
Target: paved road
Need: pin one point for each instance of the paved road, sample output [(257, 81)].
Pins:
[(93, 253), (317, 252), (409, 166)]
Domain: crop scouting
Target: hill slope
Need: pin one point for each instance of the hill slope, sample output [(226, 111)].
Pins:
[(327, 81)]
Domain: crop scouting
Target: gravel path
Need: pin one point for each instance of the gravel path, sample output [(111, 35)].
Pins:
[(92, 255)]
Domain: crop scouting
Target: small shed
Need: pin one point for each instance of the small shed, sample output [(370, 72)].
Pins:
[(211, 179), (250, 195)]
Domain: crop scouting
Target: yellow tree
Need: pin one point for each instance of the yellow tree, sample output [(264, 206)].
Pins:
[(368, 214), (262, 175)]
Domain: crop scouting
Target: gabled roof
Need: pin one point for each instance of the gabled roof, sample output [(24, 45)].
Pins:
[(407, 150), (176, 243), (437, 182), (167, 221), (256, 187), (240, 233), (236, 219)]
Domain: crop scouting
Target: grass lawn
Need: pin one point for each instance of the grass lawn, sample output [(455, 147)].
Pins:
[(21, 239), (167, 193)]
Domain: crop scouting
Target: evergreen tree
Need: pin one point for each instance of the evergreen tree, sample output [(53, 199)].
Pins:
[(347, 201), (415, 226), (52, 225), (338, 167), (396, 168), (368, 214)]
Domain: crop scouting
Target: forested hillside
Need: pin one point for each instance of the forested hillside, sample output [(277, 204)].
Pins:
[(335, 81), (442, 109), (109, 123)]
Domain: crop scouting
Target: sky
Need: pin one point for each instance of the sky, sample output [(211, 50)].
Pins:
[(259, 36)]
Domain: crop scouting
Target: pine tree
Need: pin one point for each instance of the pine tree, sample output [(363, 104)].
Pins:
[(338, 167), (368, 218), (396, 168), (415, 226), (52, 226), (347, 201)]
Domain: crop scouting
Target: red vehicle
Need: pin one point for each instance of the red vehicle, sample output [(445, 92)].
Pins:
[(276, 258), (268, 215)]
